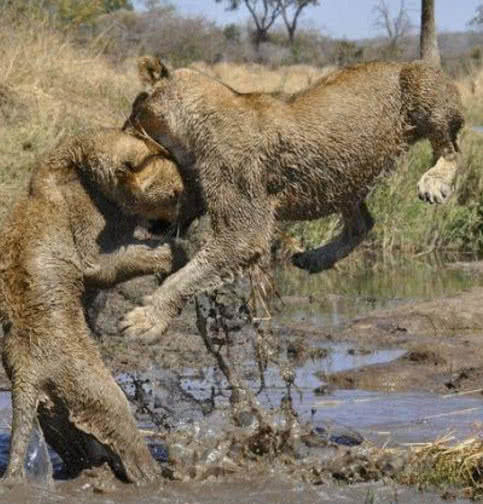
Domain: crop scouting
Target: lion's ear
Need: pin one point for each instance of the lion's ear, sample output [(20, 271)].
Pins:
[(151, 70)]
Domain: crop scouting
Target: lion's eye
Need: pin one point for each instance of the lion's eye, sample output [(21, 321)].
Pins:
[(129, 165)]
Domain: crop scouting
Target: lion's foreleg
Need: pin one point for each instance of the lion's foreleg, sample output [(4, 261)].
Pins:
[(437, 184), (224, 256), (135, 260), (357, 224)]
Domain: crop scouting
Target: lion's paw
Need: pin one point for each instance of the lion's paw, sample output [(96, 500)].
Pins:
[(433, 189), (142, 324)]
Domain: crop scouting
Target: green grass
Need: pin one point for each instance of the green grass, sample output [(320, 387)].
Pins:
[(403, 223)]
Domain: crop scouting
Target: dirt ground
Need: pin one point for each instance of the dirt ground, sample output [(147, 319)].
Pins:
[(443, 339)]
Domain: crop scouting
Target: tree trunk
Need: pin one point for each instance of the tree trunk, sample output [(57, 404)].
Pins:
[(260, 36), (428, 41)]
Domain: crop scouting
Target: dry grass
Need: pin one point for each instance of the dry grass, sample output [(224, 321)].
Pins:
[(251, 77), (471, 89), (444, 464), (49, 88)]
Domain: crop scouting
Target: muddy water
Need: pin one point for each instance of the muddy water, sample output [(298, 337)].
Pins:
[(331, 299), (270, 489), (380, 417), (319, 302)]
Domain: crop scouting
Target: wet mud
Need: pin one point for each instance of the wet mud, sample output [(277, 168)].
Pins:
[(442, 339), (343, 368)]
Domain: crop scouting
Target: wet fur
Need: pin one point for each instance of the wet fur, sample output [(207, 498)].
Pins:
[(260, 158), (74, 229)]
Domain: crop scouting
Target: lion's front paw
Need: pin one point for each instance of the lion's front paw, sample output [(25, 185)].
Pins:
[(142, 324), (433, 189), (436, 185)]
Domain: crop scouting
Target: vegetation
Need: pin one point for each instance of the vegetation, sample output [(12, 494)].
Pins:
[(61, 77), (478, 19), (406, 225), (396, 28), (66, 12), (265, 13), (48, 87), (446, 465)]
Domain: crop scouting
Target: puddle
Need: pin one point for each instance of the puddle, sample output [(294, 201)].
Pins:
[(259, 489), (402, 418), (379, 417), (339, 358), (329, 301)]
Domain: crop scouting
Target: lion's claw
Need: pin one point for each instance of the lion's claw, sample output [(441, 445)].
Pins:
[(433, 189), (436, 185)]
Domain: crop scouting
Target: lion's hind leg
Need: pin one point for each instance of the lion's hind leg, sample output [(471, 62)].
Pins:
[(87, 418), (25, 397), (357, 223)]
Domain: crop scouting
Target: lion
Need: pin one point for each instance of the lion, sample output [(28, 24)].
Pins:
[(260, 158), (75, 229)]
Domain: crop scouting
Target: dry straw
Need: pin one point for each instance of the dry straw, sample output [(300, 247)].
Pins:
[(445, 464)]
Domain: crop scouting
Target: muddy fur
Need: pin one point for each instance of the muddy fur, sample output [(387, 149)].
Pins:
[(260, 158), (74, 229)]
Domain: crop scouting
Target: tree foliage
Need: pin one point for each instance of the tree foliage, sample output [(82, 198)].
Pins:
[(265, 13), (113, 5), (478, 19), (291, 11)]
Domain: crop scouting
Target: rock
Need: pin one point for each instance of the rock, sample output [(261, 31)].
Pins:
[(339, 434)]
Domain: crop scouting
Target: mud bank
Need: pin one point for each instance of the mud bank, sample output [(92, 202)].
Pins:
[(443, 346)]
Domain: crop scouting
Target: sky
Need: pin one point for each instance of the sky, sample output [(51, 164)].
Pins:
[(351, 19)]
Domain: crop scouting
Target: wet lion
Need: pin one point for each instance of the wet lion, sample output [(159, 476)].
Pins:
[(74, 229), (260, 158)]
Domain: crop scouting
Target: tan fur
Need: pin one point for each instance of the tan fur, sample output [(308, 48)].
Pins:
[(80, 211), (140, 183), (261, 158)]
